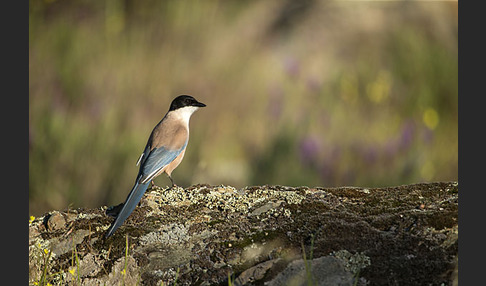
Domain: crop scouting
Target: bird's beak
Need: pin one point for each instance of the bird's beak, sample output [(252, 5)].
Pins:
[(200, 104)]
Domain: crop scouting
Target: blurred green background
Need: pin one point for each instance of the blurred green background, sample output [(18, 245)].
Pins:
[(314, 93)]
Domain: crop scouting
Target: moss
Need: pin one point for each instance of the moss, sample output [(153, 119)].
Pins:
[(262, 236), (442, 219), (408, 227), (215, 222)]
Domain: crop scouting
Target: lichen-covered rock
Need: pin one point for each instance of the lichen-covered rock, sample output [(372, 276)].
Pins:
[(55, 221), (404, 235), (322, 271)]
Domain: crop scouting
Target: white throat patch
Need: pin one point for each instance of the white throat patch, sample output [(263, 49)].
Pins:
[(185, 112)]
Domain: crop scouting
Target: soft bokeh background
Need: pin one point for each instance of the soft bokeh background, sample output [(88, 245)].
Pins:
[(314, 93)]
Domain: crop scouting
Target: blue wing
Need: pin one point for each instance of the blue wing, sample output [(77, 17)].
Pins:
[(155, 160)]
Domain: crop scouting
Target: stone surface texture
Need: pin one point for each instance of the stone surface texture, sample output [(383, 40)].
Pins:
[(260, 235)]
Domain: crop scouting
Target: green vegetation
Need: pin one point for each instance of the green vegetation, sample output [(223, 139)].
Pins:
[(322, 94), (75, 260), (308, 263), (124, 271)]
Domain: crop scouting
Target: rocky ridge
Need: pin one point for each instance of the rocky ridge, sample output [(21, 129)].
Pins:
[(260, 235)]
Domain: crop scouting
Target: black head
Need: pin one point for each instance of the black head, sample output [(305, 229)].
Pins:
[(183, 101)]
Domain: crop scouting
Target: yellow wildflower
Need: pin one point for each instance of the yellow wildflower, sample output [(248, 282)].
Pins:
[(431, 118)]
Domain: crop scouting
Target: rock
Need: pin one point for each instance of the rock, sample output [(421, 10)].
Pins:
[(56, 221), (256, 272), (323, 271), (265, 208), (61, 245), (262, 234)]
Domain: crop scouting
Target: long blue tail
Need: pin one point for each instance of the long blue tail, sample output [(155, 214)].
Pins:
[(131, 202)]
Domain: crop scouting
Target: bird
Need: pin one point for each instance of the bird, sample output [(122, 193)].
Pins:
[(163, 152)]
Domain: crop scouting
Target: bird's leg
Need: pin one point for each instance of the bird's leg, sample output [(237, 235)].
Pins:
[(172, 181)]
